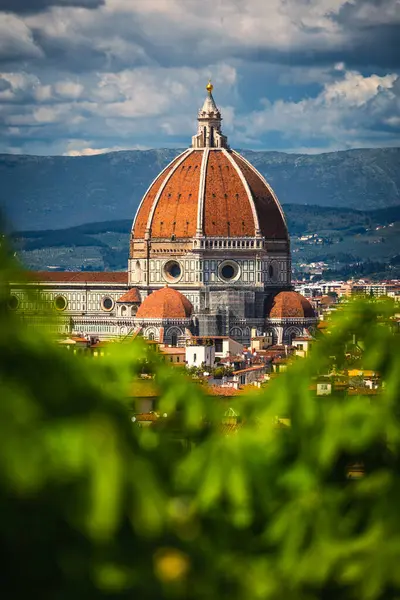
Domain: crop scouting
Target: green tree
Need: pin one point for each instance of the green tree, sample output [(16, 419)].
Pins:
[(93, 506)]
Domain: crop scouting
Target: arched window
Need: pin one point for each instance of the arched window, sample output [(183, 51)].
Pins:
[(174, 339), (151, 335)]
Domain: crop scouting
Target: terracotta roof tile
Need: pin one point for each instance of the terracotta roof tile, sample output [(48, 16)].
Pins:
[(145, 208), (146, 417), (290, 304), (173, 350), (132, 296), (327, 300), (272, 224), (219, 390), (227, 210), (166, 303), (249, 369), (227, 206), (176, 211), (79, 276)]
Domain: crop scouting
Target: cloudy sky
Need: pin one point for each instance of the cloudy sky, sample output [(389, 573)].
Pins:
[(83, 76)]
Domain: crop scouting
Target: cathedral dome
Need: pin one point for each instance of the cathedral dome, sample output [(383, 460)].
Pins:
[(165, 303), (209, 190), (290, 304)]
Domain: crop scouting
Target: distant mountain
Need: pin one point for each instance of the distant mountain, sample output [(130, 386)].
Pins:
[(52, 192)]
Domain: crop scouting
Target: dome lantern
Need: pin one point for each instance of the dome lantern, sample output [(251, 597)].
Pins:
[(209, 119)]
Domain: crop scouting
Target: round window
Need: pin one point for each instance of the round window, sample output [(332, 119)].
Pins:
[(60, 303), (107, 303), (13, 302), (172, 270), (229, 271)]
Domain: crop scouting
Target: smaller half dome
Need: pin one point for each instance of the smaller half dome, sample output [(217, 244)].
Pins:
[(290, 304), (166, 303), (132, 296)]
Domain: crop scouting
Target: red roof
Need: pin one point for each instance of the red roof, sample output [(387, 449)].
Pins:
[(231, 189), (80, 276), (249, 369), (146, 417), (327, 300), (173, 350), (290, 304), (219, 390), (132, 296), (166, 303)]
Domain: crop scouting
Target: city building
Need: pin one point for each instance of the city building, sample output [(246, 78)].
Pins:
[(209, 255)]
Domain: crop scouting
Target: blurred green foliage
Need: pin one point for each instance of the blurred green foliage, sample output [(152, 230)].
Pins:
[(93, 506)]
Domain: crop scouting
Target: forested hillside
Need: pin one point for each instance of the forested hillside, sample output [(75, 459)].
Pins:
[(343, 238)]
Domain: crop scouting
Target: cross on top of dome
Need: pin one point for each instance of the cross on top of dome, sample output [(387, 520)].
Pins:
[(209, 119)]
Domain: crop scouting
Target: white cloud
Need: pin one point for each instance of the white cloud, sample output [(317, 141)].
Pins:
[(76, 147), (355, 90), (135, 71), (68, 89), (49, 114), (17, 85), (346, 110), (16, 39), (145, 92), (92, 151), (43, 93)]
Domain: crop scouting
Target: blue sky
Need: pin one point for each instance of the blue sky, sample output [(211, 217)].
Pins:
[(86, 76)]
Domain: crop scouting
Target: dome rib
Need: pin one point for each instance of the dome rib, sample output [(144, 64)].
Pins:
[(227, 210), (246, 187), (176, 210), (163, 185), (210, 192), (265, 204), (141, 217), (202, 187)]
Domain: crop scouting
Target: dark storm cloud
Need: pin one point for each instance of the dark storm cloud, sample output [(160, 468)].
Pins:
[(371, 46), (372, 28), (34, 6), (74, 75)]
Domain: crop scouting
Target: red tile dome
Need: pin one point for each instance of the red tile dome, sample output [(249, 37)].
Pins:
[(132, 296), (290, 304), (165, 303), (212, 192)]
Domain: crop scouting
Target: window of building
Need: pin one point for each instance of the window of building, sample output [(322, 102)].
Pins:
[(107, 303), (60, 302), (172, 270), (229, 270), (13, 302)]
